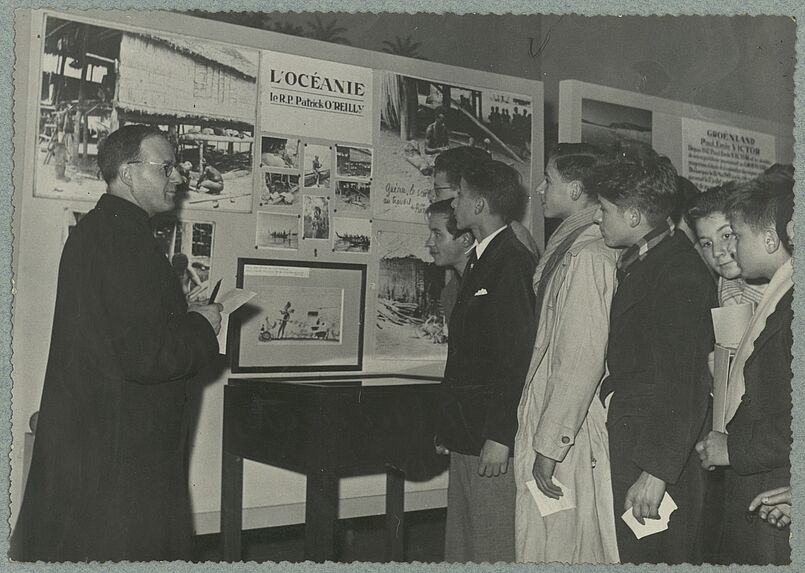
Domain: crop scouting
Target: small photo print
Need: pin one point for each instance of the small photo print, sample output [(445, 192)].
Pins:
[(318, 166), (280, 153), (355, 162), (279, 189), (352, 235), (316, 217), (352, 196), (302, 315), (277, 231), (188, 245)]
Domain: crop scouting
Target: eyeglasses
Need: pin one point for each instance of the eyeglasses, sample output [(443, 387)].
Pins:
[(166, 166)]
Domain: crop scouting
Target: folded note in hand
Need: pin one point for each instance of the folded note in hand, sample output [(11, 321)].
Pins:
[(652, 526), (231, 301), (548, 505)]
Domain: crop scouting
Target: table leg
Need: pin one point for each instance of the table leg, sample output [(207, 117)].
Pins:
[(231, 506), (321, 512), (395, 513)]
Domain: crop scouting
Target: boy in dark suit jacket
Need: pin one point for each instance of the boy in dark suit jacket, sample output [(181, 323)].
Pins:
[(660, 336), (756, 447), (491, 337)]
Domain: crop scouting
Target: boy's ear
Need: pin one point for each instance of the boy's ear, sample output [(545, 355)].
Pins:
[(771, 240), (789, 230), (633, 217), (575, 190)]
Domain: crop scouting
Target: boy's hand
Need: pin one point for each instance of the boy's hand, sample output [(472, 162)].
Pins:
[(494, 459), (713, 451), (644, 497), (543, 474), (774, 506)]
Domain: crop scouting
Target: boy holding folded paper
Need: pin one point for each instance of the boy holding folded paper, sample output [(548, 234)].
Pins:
[(756, 445)]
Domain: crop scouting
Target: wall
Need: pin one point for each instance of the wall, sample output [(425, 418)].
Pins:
[(740, 64)]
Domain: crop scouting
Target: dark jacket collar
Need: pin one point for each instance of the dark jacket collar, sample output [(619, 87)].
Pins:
[(119, 207)]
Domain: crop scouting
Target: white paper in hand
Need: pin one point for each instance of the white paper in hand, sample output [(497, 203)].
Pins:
[(548, 505), (231, 301), (652, 526)]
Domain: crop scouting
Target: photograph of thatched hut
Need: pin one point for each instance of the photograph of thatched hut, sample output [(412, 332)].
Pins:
[(421, 118), (201, 94), (410, 323), (353, 162)]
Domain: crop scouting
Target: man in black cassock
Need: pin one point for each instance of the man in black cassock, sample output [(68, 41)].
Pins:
[(108, 478)]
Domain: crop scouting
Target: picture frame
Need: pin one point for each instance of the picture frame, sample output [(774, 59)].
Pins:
[(307, 317)]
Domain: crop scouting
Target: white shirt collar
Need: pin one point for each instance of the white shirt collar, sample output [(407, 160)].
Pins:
[(481, 247)]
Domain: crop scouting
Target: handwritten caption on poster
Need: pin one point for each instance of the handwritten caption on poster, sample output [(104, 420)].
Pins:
[(714, 154)]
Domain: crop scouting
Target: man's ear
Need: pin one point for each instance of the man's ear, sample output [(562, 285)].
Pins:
[(771, 240), (633, 217), (789, 230), (480, 203), (124, 174)]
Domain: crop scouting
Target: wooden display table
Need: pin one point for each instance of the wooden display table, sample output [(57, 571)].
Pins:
[(327, 428)]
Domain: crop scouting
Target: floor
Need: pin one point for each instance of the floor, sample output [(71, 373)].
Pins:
[(358, 539)]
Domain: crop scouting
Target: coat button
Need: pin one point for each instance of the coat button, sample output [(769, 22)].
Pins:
[(565, 440)]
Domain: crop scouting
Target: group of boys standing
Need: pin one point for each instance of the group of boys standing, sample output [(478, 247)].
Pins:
[(585, 370)]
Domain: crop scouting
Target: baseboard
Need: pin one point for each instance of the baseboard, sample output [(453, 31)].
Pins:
[(294, 513)]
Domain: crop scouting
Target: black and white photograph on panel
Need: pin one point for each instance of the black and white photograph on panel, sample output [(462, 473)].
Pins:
[(302, 315), (202, 96), (410, 323), (614, 126), (277, 231), (316, 217), (421, 118), (353, 162), (318, 165), (279, 189), (351, 235), (188, 245), (277, 153), (353, 196)]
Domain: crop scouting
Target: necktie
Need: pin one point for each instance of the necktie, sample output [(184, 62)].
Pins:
[(471, 262)]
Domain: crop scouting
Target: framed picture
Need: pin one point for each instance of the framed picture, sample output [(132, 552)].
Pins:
[(306, 317)]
